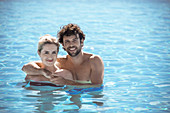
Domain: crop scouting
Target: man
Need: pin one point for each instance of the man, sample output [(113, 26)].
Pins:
[(86, 68)]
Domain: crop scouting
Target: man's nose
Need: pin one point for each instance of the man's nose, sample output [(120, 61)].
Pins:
[(71, 44)]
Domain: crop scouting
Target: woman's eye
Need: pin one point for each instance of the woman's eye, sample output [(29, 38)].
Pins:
[(46, 52), (54, 52)]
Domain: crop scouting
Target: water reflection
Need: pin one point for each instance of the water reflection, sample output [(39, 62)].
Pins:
[(45, 101), (66, 98)]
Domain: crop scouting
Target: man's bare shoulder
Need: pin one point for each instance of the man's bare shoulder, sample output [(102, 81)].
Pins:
[(87, 55), (92, 57), (95, 58), (61, 60)]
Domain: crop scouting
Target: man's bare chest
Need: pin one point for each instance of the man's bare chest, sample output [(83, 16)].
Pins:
[(80, 72)]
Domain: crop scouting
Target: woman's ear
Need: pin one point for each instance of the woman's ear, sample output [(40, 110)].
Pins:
[(38, 53), (63, 44)]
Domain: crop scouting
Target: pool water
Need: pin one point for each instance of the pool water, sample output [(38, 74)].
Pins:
[(131, 36)]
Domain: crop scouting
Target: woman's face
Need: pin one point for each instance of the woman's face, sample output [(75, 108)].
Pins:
[(48, 54)]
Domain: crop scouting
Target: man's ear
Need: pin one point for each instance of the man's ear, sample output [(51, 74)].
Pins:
[(82, 42)]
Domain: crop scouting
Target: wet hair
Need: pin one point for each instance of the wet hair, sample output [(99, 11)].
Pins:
[(68, 30), (47, 39)]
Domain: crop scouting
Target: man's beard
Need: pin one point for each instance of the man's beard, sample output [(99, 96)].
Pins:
[(74, 54)]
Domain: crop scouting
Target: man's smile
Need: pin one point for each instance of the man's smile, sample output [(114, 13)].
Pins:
[(72, 48)]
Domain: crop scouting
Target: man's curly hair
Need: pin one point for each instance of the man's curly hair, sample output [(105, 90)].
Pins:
[(68, 30)]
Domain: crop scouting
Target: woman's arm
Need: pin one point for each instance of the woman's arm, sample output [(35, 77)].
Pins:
[(34, 68)]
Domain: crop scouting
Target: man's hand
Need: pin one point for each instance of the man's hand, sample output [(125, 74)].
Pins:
[(62, 81), (58, 73), (58, 80)]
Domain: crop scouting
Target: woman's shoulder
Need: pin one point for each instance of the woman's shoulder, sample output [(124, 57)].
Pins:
[(39, 63)]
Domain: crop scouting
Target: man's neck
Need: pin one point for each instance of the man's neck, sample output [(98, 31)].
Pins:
[(77, 59)]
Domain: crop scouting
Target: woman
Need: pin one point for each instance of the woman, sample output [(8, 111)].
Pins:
[(48, 48)]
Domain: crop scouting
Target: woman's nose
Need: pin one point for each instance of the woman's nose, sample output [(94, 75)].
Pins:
[(50, 55)]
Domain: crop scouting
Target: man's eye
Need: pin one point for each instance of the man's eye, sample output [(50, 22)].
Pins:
[(54, 52), (74, 40), (66, 41)]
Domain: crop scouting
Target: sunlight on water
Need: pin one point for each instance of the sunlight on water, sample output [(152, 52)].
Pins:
[(131, 36)]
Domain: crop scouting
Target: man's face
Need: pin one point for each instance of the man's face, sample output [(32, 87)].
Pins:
[(72, 45)]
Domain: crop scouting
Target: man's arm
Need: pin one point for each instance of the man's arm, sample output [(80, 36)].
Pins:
[(62, 81), (97, 70), (66, 74), (33, 68)]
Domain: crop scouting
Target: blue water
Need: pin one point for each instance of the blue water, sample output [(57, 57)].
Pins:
[(131, 36)]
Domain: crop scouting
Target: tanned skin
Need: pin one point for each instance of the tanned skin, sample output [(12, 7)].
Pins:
[(83, 66)]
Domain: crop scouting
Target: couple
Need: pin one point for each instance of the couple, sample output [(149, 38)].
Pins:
[(76, 68)]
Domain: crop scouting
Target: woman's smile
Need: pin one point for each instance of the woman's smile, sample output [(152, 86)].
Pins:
[(49, 60)]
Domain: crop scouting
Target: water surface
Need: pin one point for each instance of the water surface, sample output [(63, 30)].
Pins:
[(131, 36)]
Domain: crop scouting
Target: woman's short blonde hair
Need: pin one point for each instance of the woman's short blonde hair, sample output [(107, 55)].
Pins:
[(47, 39)]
